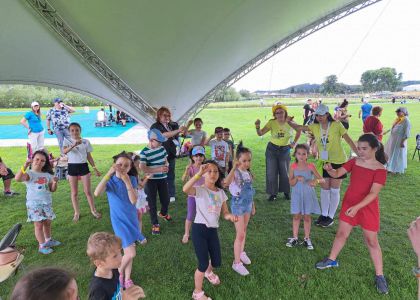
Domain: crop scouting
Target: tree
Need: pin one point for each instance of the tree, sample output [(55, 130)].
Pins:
[(330, 85), (226, 95), (383, 79), (245, 94)]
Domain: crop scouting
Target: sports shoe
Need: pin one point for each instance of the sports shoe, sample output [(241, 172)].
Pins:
[(272, 198), (244, 258), (327, 222), (45, 250), (326, 263), (52, 243), (381, 284), (166, 217), (320, 219), (240, 269), (172, 199), (156, 229), (292, 242), (308, 244), (11, 194), (287, 196)]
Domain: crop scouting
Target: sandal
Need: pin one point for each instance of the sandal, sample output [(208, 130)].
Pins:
[(96, 215), (76, 218), (199, 296), (213, 278), (185, 239)]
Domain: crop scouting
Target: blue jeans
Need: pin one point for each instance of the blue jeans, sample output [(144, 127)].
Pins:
[(61, 134), (242, 204)]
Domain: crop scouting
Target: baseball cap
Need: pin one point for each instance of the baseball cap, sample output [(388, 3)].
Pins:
[(155, 134), (322, 109), (57, 100), (34, 104), (198, 150)]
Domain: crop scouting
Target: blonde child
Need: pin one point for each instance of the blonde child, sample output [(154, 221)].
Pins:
[(304, 200), (142, 205), (197, 158), (242, 204), (120, 184), (40, 183), (210, 202), (78, 151)]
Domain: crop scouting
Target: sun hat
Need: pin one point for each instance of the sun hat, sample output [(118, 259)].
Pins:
[(321, 110), (277, 106), (34, 104), (57, 100), (155, 134), (198, 150), (403, 110)]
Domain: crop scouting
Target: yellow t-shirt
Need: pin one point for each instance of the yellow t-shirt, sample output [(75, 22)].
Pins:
[(336, 154), (280, 134)]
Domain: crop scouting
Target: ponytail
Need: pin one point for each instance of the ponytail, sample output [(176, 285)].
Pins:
[(380, 154), (240, 149)]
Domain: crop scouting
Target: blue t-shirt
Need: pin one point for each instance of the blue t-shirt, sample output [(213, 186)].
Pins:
[(34, 122), (366, 109), (123, 213)]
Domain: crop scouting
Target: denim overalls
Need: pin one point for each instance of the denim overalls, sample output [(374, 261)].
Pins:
[(242, 204)]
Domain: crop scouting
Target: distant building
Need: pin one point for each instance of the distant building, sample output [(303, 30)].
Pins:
[(411, 88)]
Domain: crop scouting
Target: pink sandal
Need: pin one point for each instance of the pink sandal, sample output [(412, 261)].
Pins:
[(198, 296), (213, 278)]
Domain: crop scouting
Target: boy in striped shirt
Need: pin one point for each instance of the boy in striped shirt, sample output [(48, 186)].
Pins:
[(153, 161)]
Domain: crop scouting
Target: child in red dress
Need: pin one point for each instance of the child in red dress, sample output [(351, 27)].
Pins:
[(361, 204)]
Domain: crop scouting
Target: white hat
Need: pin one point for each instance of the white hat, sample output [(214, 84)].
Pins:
[(34, 104), (321, 110)]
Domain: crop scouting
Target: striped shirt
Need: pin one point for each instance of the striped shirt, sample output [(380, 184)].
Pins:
[(154, 158)]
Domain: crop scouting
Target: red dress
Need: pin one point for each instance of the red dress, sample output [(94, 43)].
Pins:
[(361, 181)]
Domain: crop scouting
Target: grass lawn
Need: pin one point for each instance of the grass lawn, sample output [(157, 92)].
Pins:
[(165, 267)]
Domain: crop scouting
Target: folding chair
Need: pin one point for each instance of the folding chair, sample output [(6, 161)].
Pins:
[(417, 150)]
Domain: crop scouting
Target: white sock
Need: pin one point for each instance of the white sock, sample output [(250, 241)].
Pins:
[(325, 202), (334, 200)]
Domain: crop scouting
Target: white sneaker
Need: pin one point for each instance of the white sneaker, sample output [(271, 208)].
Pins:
[(240, 269), (244, 258), (172, 199)]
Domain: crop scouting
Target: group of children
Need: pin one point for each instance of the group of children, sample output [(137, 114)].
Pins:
[(130, 196)]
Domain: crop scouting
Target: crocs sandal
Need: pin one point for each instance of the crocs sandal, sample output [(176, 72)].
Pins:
[(96, 215), (199, 296), (185, 239), (213, 278)]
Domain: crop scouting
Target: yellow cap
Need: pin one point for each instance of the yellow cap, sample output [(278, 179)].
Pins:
[(277, 106)]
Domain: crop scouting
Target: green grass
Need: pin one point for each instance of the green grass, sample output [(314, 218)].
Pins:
[(165, 267)]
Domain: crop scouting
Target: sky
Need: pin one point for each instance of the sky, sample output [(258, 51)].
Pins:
[(386, 34)]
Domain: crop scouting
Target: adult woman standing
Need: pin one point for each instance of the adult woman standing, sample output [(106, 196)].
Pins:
[(373, 125), (342, 115), (32, 122), (328, 134), (170, 130), (277, 154), (396, 146)]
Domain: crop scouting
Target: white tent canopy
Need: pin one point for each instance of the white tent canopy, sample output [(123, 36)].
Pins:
[(139, 55)]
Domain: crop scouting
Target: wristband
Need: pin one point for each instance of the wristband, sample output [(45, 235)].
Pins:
[(106, 177), (317, 181), (197, 177), (23, 169)]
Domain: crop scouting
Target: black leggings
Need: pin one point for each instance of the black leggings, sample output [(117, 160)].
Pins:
[(206, 241), (154, 186)]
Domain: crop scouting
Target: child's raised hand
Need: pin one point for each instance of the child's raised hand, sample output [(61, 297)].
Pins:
[(289, 118), (257, 123), (27, 163), (204, 168), (125, 177), (189, 123), (328, 167)]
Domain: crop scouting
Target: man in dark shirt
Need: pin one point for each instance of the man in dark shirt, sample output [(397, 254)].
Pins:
[(307, 111)]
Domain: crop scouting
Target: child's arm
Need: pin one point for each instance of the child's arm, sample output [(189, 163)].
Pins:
[(335, 173), (211, 136), (67, 149), (292, 179), (143, 182), (374, 192), (318, 177), (21, 175), (231, 176), (188, 124), (189, 188), (146, 169), (101, 187), (253, 211), (53, 184), (185, 175), (132, 192), (296, 139), (227, 215), (92, 163)]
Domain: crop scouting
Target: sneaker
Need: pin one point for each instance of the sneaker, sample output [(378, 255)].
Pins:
[(156, 229), (52, 243), (45, 250), (292, 242), (166, 217), (272, 198), (326, 263), (240, 269), (320, 219), (327, 222), (11, 194), (308, 244), (381, 284), (287, 196), (244, 258), (172, 199)]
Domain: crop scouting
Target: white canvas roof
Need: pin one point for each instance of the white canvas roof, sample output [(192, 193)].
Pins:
[(139, 55)]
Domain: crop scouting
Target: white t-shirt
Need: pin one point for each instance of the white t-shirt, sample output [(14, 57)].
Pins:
[(197, 136), (100, 116), (219, 150), (208, 206), (77, 155), (37, 189), (234, 187)]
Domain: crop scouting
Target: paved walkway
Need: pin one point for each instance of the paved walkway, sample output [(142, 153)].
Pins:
[(135, 135)]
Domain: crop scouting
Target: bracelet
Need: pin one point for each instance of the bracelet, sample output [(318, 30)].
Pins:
[(197, 177), (23, 169), (317, 181), (106, 177)]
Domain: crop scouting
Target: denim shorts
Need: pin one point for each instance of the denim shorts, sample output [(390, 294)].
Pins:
[(238, 207)]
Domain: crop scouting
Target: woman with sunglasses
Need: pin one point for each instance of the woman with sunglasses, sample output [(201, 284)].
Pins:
[(277, 154), (32, 122), (328, 136)]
